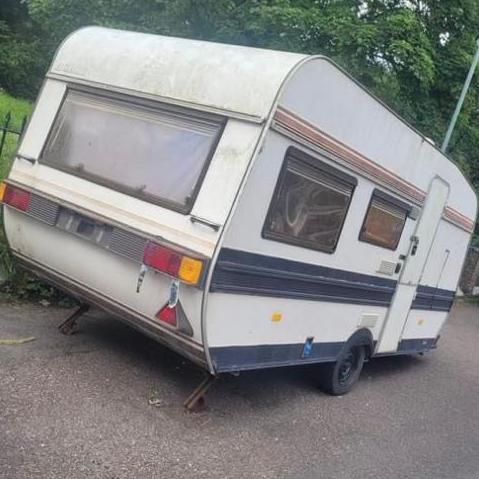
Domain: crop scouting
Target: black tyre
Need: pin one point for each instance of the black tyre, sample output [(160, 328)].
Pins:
[(340, 377)]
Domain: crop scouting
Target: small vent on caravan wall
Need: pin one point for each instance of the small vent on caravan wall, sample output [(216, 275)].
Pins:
[(368, 320), (387, 267)]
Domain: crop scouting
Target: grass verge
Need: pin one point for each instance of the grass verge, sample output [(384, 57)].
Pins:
[(18, 109), (18, 284)]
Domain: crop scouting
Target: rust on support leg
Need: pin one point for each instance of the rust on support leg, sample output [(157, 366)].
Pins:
[(68, 326), (196, 400)]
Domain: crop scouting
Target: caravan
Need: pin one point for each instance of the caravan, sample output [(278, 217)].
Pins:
[(247, 208)]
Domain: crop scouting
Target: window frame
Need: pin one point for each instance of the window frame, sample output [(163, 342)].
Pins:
[(393, 201), (320, 167), (138, 101)]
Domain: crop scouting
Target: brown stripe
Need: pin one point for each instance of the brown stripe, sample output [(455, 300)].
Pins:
[(457, 218), (309, 132)]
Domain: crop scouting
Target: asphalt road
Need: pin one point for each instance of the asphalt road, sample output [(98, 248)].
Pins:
[(78, 407)]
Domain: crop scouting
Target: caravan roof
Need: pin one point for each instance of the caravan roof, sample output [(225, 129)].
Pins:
[(248, 83), (241, 80)]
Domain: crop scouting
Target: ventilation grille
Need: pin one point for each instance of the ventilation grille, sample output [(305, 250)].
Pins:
[(127, 244), (43, 209), (368, 320), (115, 239), (387, 267)]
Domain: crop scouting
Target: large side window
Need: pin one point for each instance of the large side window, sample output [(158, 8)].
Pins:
[(309, 204), (384, 221), (155, 153)]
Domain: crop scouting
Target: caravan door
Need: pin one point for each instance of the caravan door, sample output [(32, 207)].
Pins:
[(413, 267)]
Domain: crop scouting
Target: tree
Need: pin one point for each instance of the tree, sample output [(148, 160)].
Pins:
[(21, 66), (413, 54)]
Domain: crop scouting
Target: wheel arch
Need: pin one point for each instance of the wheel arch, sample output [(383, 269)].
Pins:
[(362, 337)]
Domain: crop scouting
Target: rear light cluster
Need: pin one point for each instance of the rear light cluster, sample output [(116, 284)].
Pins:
[(162, 258), (169, 261), (14, 197)]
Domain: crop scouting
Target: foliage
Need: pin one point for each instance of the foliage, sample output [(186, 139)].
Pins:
[(413, 54), (18, 106), (19, 284), (22, 55), (19, 109)]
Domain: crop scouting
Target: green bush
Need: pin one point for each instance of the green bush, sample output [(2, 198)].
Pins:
[(21, 67)]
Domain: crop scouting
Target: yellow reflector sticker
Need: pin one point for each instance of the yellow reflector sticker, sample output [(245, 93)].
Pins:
[(190, 270), (3, 187), (276, 316)]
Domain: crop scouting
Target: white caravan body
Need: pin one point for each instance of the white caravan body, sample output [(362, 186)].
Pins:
[(271, 204)]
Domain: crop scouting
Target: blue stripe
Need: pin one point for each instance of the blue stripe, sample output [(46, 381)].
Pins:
[(434, 299), (408, 346), (236, 358), (242, 272), (241, 358)]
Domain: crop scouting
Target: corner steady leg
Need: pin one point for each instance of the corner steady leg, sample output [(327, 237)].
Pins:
[(195, 402), (68, 326)]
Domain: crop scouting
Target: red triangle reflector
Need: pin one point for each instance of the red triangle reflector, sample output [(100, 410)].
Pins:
[(167, 314)]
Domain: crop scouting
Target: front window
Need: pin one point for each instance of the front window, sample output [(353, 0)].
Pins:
[(156, 154)]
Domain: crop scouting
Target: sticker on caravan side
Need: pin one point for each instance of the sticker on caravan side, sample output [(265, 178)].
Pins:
[(307, 348)]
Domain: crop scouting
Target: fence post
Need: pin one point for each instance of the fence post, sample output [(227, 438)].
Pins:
[(22, 128), (4, 129)]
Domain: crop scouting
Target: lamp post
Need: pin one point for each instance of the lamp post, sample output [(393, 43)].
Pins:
[(465, 88)]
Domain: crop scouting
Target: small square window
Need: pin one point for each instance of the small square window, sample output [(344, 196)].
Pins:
[(310, 203), (384, 221)]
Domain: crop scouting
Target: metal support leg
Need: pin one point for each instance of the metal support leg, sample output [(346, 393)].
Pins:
[(68, 326), (196, 400)]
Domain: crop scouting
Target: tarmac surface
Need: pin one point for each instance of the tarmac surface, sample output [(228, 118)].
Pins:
[(80, 407)]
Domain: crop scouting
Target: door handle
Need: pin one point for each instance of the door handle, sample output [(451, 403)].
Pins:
[(415, 243), (400, 263)]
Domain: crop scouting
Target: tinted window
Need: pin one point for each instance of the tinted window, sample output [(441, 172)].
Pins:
[(309, 205), (383, 223), (155, 154)]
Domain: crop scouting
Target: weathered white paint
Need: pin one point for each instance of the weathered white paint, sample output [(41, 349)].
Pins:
[(350, 254), (220, 184), (106, 274), (230, 323), (444, 267), (225, 77), (425, 232), (46, 108), (423, 324), (323, 94), (244, 85), (414, 265)]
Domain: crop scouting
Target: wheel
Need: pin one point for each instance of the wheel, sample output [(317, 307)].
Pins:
[(340, 377)]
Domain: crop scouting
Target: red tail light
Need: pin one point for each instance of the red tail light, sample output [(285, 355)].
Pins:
[(174, 263), (167, 314), (16, 197), (162, 258)]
